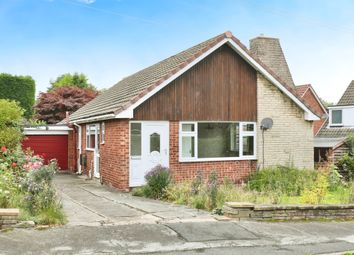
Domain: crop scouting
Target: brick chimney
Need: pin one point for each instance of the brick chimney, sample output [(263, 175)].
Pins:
[(269, 51)]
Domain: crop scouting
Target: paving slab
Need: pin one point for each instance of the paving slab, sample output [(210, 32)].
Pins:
[(210, 231)]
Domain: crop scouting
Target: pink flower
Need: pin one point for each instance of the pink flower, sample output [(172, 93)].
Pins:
[(14, 164), (3, 149)]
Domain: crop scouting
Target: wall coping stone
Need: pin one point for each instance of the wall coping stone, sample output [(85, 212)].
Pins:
[(9, 212), (271, 207), (288, 212), (240, 205)]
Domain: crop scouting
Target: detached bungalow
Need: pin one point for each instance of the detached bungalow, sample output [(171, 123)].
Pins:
[(199, 110)]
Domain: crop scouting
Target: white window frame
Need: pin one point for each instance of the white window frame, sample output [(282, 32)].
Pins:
[(195, 134), (130, 141), (103, 126), (330, 118), (88, 133)]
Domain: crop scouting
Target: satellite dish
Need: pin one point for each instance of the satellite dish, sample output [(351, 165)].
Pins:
[(266, 123)]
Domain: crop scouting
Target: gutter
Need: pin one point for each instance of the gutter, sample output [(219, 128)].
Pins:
[(93, 119), (79, 145)]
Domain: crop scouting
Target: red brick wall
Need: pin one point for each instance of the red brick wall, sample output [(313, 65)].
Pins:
[(237, 171), (114, 154), (311, 99), (72, 154), (114, 158)]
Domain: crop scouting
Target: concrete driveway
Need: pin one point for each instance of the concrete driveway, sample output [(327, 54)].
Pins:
[(104, 221)]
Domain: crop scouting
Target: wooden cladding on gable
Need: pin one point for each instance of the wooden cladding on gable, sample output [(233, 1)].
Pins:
[(221, 87)]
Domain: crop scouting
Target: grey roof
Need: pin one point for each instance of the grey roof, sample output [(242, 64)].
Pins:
[(269, 51), (124, 92), (327, 142), (129, 90), (334, 132), (348, 96)]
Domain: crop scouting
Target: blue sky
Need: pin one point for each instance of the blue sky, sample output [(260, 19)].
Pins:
[(110, 39)]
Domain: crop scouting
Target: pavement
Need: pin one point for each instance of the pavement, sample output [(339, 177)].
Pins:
[(102, 220)]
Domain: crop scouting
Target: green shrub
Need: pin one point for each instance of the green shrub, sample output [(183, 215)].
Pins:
[(52, 215), (282, 180), (346, 164), (334, 178), (199, 201), (157, 180), (38, 189), (179, 193), (212, 190), (10, 120), (316, 193), (20, 89)]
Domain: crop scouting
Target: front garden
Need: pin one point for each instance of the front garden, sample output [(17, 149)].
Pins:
[(277, 185), (25, 179)]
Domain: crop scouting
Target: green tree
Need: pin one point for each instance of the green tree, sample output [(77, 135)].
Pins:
[(11, 115), (78, 80), (18, 88), (326, 103)]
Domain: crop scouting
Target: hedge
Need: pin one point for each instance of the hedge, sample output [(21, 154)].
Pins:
[(18, 88)]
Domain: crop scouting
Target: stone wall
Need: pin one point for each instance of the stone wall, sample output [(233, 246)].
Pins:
[(8, 217), (249, 211), (290, 140)]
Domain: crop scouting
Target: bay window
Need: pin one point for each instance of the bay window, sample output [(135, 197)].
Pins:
[(206, 141)]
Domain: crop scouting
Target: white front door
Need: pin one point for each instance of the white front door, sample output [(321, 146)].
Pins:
[(149, 147)]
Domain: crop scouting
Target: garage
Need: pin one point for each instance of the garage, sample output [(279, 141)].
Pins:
[(50, 142)]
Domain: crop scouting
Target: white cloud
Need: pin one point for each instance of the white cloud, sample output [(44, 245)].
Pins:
[(86, 1)]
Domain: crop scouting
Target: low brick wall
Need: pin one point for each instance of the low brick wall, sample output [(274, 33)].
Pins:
[(249, 211), (8, 217)]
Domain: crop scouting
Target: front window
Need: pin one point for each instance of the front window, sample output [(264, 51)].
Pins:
[(217, 140), (337, 117)]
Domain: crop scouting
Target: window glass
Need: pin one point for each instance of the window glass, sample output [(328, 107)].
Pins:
[(102, 132), (336, 116), (154, 142), (217, 140), (188, 127), (92, 137), (188, 147), (248, 127), (248, 145), (87, 137), (135, 139)]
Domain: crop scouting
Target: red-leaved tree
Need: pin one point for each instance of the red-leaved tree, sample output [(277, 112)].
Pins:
[(52, 106)]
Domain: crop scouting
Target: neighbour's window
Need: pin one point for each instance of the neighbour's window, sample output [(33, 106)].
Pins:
[(135, 139), (217, 140), (337, 117), (102, 132)]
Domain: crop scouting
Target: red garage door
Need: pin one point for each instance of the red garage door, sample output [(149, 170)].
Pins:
[(49, 146)]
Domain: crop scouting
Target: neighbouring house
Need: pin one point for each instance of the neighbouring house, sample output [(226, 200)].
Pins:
[(307, 93), (197, 111), (330, 142)]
